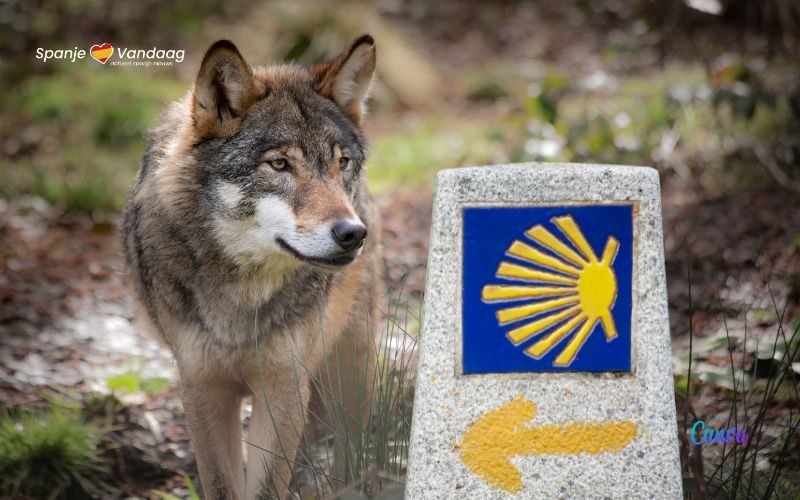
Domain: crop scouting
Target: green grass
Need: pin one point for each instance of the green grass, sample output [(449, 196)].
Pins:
[(49, 455), (754, 469), (671, 118), (412, 156), (134, 379), (189, 486), (374, 453), (79, 133), (378, 456)]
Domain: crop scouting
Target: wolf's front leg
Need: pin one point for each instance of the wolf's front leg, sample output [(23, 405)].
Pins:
[(213, 411), (276, 426)]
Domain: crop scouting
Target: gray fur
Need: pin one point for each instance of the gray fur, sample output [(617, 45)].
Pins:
[(212, 306), (177, 262)]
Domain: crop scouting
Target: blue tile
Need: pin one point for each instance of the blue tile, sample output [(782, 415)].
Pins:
[(547, 288)]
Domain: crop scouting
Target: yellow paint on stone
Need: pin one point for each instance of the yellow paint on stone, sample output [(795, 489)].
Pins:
[(502, 433)]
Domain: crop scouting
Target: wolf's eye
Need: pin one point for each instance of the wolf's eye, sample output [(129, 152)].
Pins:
[(278, 163), (344, 162)]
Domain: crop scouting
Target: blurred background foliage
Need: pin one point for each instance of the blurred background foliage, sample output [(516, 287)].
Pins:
[(704, 89)]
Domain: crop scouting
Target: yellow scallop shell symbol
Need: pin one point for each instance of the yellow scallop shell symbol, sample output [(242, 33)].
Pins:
[(569, 290)]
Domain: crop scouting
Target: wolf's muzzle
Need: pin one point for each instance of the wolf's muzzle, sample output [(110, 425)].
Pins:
[(349, 234)]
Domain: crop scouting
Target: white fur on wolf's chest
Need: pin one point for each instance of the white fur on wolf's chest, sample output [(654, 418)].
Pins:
[(260, 283), (202, 354), (232, 307)]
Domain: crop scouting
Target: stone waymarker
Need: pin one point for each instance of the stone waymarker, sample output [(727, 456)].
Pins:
[(545, 367)]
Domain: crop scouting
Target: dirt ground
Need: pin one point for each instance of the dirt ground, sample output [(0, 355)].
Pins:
[(66, 324)]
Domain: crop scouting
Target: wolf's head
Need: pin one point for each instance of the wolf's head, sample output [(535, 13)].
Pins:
[(278, 152)]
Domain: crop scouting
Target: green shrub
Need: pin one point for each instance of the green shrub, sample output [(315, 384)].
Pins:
[(49, 455)]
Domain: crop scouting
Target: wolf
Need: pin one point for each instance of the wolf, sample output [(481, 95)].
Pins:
[(253, 247)]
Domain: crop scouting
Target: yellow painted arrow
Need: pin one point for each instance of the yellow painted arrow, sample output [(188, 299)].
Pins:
[(501, 434)]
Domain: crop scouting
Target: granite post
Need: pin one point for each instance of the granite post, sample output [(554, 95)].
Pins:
[(545, 364)]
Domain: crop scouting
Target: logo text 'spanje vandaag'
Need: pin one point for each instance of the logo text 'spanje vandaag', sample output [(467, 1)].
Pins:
[(106, 53)]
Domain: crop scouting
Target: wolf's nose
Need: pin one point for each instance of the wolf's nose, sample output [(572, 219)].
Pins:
[(349, 234)]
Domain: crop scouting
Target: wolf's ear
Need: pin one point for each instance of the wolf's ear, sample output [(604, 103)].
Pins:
[(347, 79), (223, 91)]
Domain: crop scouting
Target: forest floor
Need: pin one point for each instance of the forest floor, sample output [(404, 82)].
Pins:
[(67, 327)]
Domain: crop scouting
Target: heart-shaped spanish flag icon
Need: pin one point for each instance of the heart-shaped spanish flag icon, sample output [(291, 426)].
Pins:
[(102, 53)]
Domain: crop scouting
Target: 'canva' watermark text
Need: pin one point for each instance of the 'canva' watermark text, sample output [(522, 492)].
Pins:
[(702, 435)]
